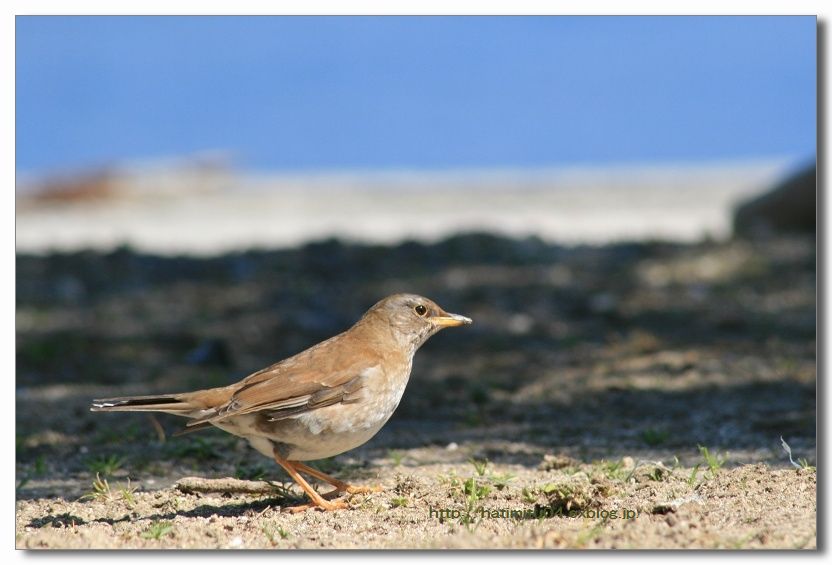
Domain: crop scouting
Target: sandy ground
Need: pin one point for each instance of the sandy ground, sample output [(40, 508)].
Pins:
[(169, 214), (592, 382)]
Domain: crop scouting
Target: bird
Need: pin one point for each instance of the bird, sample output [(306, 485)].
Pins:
[(321, 402)]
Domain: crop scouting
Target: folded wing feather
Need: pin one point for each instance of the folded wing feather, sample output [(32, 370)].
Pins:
[(289, 388)]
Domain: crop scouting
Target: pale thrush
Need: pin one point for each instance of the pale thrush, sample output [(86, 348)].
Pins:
[(323, 401)]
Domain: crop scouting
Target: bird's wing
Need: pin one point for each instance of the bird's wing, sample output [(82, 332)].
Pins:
[(318, 377)]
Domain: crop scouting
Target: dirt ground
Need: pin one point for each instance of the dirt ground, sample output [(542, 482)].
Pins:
[(624, 396)]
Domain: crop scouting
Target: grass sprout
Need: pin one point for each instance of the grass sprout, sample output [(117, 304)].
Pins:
[(157, 530)]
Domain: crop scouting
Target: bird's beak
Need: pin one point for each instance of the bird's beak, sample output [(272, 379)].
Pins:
[(450, 320)]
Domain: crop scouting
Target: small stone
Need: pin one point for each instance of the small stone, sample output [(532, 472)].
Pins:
[(553, 462), (663, 509), (520, 324), (452, 446)]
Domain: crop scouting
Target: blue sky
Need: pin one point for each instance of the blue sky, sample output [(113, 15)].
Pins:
[(303, 94)]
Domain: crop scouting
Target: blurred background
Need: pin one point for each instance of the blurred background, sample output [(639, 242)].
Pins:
[(624, 205), (208, 134)]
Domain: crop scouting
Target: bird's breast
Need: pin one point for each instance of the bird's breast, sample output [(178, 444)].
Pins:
[(330, 430), (376, 401)]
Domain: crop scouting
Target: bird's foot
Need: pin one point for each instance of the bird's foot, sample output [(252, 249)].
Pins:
[(362, 490), (323, 505)]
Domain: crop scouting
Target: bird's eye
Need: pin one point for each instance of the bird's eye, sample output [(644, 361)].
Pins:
[(420, 309)]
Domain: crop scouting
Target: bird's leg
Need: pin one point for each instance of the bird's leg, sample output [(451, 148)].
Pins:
[(339, 485), (317, 499)]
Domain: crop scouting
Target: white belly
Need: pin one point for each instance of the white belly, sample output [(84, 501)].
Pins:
[(324, 432), (306, 437)]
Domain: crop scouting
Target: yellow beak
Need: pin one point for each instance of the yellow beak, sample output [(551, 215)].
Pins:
[(450, 320)]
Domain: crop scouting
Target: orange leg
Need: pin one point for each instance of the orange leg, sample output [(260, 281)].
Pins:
[(339, 485), (317, 500)]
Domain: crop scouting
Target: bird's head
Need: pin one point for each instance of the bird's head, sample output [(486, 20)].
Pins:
[(412, 319)]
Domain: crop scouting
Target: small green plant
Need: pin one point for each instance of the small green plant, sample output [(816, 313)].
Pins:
[(501, 480), (614, 470), (712, 460), (106, 466), (100, 490), (570, 497), (40, 465), (474, 491), (654, 437), (549, 488), (126, 493), (657, 474), (396, 457), (399, 502), (804, 464), (272, 532), (479, 466), (693, 473), (157, 530), (529, 495)]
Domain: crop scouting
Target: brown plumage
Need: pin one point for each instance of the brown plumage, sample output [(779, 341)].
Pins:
[(323, 401)]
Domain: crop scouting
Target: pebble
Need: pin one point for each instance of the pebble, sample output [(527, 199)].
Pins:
[(520, 324)]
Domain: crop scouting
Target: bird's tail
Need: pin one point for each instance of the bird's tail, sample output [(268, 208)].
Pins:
[(171, 403)]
